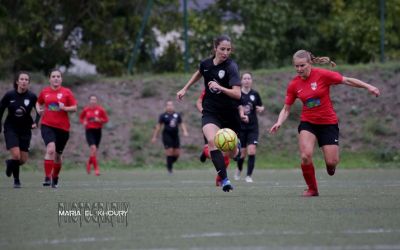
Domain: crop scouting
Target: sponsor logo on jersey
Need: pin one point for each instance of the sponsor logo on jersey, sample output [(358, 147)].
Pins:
[(221, 74), (26, 102), (314, 86), (313, 102)]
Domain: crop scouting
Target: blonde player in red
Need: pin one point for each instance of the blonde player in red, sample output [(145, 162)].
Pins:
[(93, 117), (54, 103), (318, 121)]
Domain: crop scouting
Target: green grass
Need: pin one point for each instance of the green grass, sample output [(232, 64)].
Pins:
[(357, 209)]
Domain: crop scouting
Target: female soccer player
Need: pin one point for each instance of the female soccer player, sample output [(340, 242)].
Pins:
[(318, 121), (54, 104), (250, 105), (170, 134), (221, 100), (205, 153), (93, 116), (18, 124)]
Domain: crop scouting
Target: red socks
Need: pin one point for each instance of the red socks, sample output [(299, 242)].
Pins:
[(93, 160), (56, 169), (48, 167), (309, 176)]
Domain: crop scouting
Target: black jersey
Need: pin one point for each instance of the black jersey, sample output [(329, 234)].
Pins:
[(19, 107), (171, 122), (249, 102), (225, 74)]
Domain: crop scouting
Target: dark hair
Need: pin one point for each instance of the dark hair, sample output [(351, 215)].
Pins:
[(218, 40), (53, 70), (313, 59), (17, 78)]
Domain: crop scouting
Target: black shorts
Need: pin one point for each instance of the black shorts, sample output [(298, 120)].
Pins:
[(248, 137), (170, 140), (58, 136), (327, 134), (93, 136), (17, 138), (225, 120)]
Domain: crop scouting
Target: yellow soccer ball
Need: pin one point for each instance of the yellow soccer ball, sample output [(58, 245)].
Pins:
[(225, 139)]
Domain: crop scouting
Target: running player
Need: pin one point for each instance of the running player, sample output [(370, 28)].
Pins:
[(205, 152), (170, 120), (93, 116), (318, 121), (18, 124), (221, 100), (54, 103), (250, 105)]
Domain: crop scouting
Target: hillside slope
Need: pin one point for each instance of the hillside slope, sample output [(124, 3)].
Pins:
[(366, 123)]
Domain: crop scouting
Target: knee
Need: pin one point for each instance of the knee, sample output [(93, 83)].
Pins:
[(306, 158), (332, 162)]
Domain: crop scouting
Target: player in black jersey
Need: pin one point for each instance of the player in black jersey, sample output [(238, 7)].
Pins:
[(171, 121), (221, 100), (18, 124), (250, 105)]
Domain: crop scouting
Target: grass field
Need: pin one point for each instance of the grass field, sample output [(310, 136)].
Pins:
[(357, 209)]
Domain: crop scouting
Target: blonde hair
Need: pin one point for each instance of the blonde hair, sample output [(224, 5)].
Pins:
[(313, 59)]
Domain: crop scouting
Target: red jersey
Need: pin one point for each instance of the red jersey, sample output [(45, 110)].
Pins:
[(89, 114), (314, 93), (53, 116)]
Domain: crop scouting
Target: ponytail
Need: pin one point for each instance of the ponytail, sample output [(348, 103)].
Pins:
[(313, 59)]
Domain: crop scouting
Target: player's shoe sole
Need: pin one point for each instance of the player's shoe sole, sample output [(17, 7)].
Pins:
[(46, 182)]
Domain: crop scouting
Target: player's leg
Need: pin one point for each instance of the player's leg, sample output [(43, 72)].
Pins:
[(49, 139), (204, 153), (329, 142), (169, 154), (251, 152), (217, 157), (13, 165), (12, 145), (94, 149), (89, 140), (306, 146), (61, 141), (240, 161)]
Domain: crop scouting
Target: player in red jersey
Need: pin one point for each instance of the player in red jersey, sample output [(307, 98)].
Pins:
[(206, 153), (318, 121), (54, 103), (93, 116)]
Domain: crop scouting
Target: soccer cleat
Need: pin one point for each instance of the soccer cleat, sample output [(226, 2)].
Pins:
[(17, 183), (226, 185), (310, 193), (248, 179), (46, 182), (330, 170), (236, 177), (9, 168), (54, 182)]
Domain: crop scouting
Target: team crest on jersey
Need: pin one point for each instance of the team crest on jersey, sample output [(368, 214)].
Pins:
[(26, 102), (96, 112), (221, 74), (314, 85), (175, 115), (252, 98), (59, 95)]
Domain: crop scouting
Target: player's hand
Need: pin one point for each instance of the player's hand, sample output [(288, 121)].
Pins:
[(61, 106), (185, 134), (274, 128), (96, 119), (40, 111), (245, 118), (153, 140), (374, 90), (180, 94), (259, 109), (34, 126), (214, 87)]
